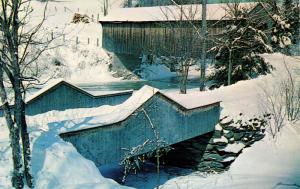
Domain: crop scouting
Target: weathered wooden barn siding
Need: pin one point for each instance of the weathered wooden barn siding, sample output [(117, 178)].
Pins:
[(161, 38), (63, 97), (103, 145)]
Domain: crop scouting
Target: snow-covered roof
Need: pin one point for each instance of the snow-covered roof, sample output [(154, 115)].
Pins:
[(114, 114), (57, 82), (169, 13)]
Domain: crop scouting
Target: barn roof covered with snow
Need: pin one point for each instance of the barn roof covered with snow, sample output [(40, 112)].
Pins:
[(170, 13)]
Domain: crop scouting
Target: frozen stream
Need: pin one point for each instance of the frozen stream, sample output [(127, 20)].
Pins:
[(169, 83)]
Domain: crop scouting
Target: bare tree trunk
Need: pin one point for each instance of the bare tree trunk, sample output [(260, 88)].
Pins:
[(19, 108), (26, 150), (184, 76), (203, 55), (25, 144), (105, 7), (229, 68), (17, 178), (19, 112)]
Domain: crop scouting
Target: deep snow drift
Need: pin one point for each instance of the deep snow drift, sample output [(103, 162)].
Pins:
[(56, 164)]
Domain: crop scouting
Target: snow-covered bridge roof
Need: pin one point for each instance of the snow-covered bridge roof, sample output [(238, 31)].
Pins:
[(103, 138), (61, 95), (58, 82), (169, 13), (114, 114)]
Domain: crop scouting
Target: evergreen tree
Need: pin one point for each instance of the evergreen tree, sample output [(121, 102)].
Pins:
[(236, 51), (285, 31)]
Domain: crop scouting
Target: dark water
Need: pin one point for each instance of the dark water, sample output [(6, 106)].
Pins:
[(169, 83)]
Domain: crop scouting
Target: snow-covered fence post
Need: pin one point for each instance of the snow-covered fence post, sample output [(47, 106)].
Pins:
[(97, 42), (52, 35), (88, 40), (77, 40), (92, 18)]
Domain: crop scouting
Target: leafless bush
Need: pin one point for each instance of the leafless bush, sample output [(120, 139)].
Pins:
[(282, 101), (291, 96), (183, 72), (273, 103)]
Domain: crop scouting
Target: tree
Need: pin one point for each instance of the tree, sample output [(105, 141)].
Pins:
[(21, 46), (285, 31), (237, 48), (105, 7), (203, 54), (186, 33)]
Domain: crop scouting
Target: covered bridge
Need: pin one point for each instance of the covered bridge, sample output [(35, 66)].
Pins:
[(62, 95), (105, 138), (163, 30)]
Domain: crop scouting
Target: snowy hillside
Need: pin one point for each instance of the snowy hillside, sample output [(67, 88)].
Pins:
[(77, 54)]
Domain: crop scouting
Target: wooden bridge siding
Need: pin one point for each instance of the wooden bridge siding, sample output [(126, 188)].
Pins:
[(103, 144), (158, 37), (64, 97)]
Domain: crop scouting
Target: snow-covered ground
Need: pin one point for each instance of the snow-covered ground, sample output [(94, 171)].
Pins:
[(267, 164), (57, 164)]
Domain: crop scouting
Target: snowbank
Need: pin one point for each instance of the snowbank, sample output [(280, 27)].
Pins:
[(63, 167), (55, 163), (244, 96)]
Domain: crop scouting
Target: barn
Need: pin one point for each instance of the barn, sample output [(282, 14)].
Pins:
[(164, 30), (105, 139), (62, 95)]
